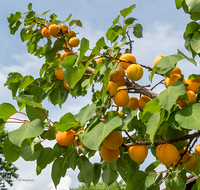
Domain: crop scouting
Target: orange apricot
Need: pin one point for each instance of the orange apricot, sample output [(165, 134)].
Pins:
[(143, 100), (120, 82), (193, 85), (74, 41), (133, 103), (170, 81), (46, 32), (191, 164), (191, 96), (121, 98), (120, 114), (99, 60), (118, 74), (65, 54), (176, 70), (167, 153), (66, 49), (63, 28), (197, 150), (54, 29), (155, 61), (71, 34), (126, 59), (114, 140), (65, 138), (184, 158), (59, 74), (109, 155), (66, 86), (138, 153), (112, 87), (134, 72)]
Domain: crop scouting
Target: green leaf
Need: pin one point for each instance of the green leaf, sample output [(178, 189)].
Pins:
[(150, 179), (152, 74), (47, 156), (85, 114), (27, 80), (137, 30), (101, 42), (30, 153), (68, 18), (86, 170), (127, 120), (188, 117), (125, 12), (129, 20), (27, 130), (137, 181), (193, 5), (30, 6), (109, 176), (9, 151), (153, 166), (67, 122), (168, 97), (189, 59), (174, 183), (93, 138), (71, 156), (7, 110), (195, 42), (116, 20), (97, 173), (25, 34), (178, 3), (14, 22), (59, 170)]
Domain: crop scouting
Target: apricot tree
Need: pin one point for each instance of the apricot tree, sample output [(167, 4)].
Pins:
[(121, 127)]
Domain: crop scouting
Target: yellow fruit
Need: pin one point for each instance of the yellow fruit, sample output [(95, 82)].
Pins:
[(66, 49), (191, 164), (193, 85), (112, 87), (74, 41), (126, 57), (191, 96), (99, 60), (66, 86), (155, 61), (71, 34), (170, 81), (138, 153), (143, 100), (120, 114), (184, 158), (54, 29), (197, 150), (65, 138), (120, 82), (121, 98), (51, 23), (114, 140), (118, 74), (133, 103), (59, 74), (46, 32), (134, 72), (167, 153), (109, 155), (176, 70), (65, 54), (63, 28)]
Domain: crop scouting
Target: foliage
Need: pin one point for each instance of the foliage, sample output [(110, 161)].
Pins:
[(150, 125)]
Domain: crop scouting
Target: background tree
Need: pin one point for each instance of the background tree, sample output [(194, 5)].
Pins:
[(166, 124)]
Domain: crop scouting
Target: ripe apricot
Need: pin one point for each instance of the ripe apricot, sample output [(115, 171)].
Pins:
[(191, 164), (126, 57), (170, 81), (114, 140), (112, 87), (120, 82), (176, 70), (63, 28), (133, 103), (184, 158), (122, 88), (66, 49), (43, 26), (121, 98), (59, 74), (118, 74), (66, 86), (155, 61), (74, 41), (109, 155), (138, 153), (65, 54), (167, 153), (99, 60), (197, 150), (51, 23), (134, 72), (65, 138), (46, 32), (193, 85), (120, 114), (143, 100), (191, 96), (71, 34), (54, 29)]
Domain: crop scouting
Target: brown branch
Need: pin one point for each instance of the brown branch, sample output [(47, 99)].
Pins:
[(158, 84), (129, 41)]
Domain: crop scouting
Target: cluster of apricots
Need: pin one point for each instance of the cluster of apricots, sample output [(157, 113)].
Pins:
[(69, 137), (134, 72), (192, 84), (52, 29)]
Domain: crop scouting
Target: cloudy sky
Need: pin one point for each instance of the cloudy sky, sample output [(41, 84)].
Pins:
[(163, 30)]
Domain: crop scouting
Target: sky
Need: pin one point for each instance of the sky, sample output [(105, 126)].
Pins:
[(163, 28)]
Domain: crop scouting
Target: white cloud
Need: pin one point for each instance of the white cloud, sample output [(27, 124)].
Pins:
[(64, 184)]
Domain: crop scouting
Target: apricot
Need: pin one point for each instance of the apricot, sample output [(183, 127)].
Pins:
[(191, 96), (65, 138), (74, 41), (109, 155), (71, 34), (46, 32), (65, 54), (133, 103), (121, 98), (197, 150), (42, 28), (167, 153), (122, 88), (66, 86), (143, 101), (176, 70), (99, 60), (191, 164), (170, 81), (51, 23), (118, 74), (155, 61), (120, 114), (184, 158), (112, 87), (126, 57), (120, 82), (59, 74), (193, 85), (134, 72), (114, 140), (54, 29), (66, 49), (77, 140), (63, 28), (138, 153)]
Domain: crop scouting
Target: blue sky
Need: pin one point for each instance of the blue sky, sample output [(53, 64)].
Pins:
[(163, 30)]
